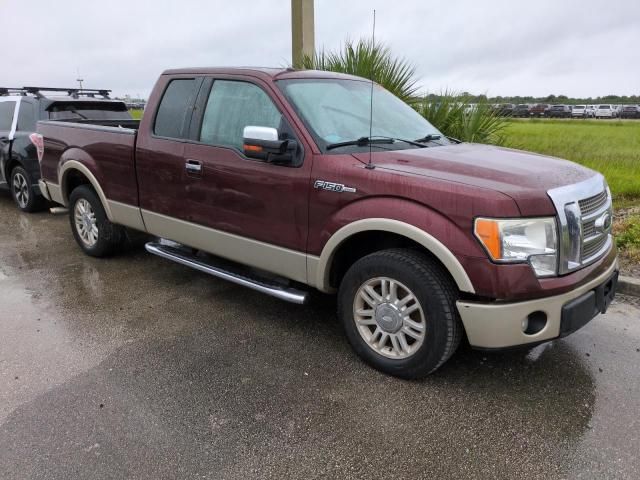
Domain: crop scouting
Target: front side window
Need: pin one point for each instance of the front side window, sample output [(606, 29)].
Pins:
[(340, 111), (174, 111), (6, 115), (233, 105)]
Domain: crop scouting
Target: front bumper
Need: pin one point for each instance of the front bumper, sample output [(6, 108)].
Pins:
[(500, 325)]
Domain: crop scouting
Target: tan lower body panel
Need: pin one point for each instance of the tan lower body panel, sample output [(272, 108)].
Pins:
[(127, 215), (495, 325), (51, 191), (281, 261)]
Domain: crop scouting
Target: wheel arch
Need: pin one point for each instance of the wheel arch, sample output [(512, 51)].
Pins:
[(70, 172), (320, 270)]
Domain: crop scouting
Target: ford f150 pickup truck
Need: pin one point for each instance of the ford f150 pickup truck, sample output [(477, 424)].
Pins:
[(285, 180)]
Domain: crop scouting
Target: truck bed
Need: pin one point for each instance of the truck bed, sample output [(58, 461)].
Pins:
[(105, 147)]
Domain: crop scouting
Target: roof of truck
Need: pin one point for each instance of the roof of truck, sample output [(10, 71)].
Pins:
[(262, 72)]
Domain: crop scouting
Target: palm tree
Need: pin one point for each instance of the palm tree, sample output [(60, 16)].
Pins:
[(369, 60), (454, 115)]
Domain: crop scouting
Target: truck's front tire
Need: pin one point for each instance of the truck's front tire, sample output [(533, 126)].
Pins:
[(91, 228), (398, 309)]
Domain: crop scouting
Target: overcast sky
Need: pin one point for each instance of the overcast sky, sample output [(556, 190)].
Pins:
[(498, 47)]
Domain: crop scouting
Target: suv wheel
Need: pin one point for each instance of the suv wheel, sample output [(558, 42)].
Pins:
[(398, 309), (22, 191), (91, 228)]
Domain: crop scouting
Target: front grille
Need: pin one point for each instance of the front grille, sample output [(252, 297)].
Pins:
[(589, 229), (592, 248), (591, 204), (584, 228)]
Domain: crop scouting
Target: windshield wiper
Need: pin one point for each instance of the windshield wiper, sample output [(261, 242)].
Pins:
[(364, 141), (429, 138), (361, 142)]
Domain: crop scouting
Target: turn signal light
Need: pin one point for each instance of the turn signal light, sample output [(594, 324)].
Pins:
[(488, 231)]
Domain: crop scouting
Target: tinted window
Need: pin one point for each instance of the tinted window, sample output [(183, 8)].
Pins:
[(26, 117), (233, 106), (6, 115), (88, 111), (175, 108), (578, 106)]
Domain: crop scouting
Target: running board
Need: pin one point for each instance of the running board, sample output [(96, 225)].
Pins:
[(183, 257)]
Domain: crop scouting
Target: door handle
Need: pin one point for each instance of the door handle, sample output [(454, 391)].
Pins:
[(193, 166)]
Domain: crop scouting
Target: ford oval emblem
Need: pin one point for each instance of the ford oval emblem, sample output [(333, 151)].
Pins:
[(603, 223)]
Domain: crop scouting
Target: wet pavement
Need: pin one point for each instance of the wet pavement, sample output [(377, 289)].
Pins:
[(135, 367)]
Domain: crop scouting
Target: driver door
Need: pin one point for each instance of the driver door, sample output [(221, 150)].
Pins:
[(255, 212)]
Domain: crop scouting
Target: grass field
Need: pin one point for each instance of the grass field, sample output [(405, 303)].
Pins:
[(610, 147)]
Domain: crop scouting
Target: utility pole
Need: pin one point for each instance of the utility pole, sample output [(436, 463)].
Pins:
[(302, 31)]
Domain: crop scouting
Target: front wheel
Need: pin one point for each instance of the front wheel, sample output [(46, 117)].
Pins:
[(91, 228), (398, 309)]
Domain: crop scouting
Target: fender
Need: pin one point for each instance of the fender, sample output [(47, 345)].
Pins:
[(319, 268), (70, 165)]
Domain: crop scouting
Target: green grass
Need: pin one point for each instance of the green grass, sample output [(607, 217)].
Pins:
[(610, 147)]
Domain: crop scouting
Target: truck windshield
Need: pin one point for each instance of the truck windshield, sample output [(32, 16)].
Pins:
[(337, 110), (88, 111)]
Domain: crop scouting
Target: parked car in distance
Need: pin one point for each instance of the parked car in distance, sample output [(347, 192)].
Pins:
[(559, 111), (630, 111), (539, 110), (506, 109), (522, 110), (580, 111), (606, 111), (275, 171), (20, 109)]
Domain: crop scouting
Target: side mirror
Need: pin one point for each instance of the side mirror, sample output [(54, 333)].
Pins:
[(262, 143)]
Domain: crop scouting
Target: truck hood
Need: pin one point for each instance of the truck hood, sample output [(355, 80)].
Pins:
[(526, 177)]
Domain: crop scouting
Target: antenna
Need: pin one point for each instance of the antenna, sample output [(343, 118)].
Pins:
[(370, 165)]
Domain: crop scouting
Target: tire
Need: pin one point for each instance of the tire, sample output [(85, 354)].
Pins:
[(22, 192), (367, 322), (86, 210)]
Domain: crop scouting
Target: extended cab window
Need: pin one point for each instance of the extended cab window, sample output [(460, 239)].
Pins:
[(232, 106), (6, 115), (175, 108)]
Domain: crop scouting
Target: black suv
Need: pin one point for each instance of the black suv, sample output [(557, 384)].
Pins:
[(559, 111), (20, 109)]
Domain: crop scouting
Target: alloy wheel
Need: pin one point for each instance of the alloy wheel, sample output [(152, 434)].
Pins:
[(389, 318)]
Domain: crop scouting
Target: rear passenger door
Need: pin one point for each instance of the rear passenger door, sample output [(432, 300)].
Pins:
[(8, 124), (160, 154)]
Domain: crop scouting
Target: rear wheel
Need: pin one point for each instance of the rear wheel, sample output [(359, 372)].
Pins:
[(399, 313), (91, 228), (22, 191)]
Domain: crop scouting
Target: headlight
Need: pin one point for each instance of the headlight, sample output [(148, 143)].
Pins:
[(532, 240)]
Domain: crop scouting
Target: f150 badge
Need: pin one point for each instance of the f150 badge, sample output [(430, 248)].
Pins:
[(333, 187)]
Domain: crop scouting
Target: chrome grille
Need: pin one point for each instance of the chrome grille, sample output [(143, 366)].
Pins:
[(584, 229), (589, 229), (592, 248), (592, 204)]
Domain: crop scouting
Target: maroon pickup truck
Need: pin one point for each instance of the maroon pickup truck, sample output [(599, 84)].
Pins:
[(276, 179)]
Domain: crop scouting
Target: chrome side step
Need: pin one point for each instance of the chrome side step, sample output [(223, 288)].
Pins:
[(183, 257)]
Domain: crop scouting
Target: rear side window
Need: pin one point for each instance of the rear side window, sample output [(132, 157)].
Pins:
[(175, 108), (70, 110), (26, 117), (233, 105), (6, 115)]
